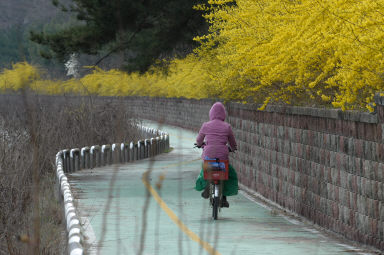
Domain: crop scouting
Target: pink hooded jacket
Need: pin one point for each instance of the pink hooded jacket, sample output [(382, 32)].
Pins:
[(217, 134)]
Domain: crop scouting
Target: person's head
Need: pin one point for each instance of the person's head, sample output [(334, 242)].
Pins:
[(217, 112)]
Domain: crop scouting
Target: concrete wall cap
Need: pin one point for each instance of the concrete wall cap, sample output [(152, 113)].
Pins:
[(69, 209), (94, 147), (105, 147), (74, 239), (68, 198), (74, 231), (312, 111), (83, 150), (76, 251), (70, 216), (67, 193), (65, 151), (72, 221), (73, 151), (63, 190), (63, 183), (60, 175)]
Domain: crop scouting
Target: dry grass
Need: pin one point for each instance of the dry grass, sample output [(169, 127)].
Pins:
[(32, 129)]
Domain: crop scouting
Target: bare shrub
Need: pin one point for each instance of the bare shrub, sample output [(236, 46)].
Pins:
[(32, 130)]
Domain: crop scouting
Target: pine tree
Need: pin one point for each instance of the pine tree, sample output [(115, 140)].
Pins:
[(144, 30)]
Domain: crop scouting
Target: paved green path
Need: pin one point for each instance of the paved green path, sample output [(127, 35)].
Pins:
[(112, 199)]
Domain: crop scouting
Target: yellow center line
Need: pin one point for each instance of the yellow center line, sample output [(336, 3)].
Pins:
[(176, 219)]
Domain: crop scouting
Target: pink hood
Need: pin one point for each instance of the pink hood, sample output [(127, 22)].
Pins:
[(217, 112), (216, 134)]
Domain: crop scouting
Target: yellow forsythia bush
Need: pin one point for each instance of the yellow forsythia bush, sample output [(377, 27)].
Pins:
[(20, 76), (322, 52)]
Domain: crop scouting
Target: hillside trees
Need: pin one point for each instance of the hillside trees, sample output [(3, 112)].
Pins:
[(315, 52), (144, 30), (17, 18)]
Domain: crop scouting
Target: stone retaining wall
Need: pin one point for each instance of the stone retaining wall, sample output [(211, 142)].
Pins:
[(324, 164)]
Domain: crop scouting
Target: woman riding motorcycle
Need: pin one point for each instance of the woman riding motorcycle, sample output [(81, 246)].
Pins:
[(214, 136)]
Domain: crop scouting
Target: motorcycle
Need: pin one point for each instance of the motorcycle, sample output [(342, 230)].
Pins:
[(215, 172)]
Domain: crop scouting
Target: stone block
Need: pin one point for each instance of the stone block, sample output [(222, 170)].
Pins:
[(380, 172), (343, 179), (375, 189), (287, 147), (344, 162), (323, 205), (329, 207), (346, 215), (350, 181), (343, 197), (332, 159), (362, 205), (369, 188), (381, 230), (328, 175), (375, 209), (323, 189), (280, 132), (285, 160), (359, 148), (322, 156), (360, 188), (327, 141), (335, 175), (315, 154), (343, 144), (300, 165), (359, 167), (333, 146), (329, 191), (351, 165), (369, 207), (380, 191), (375, 170), (380, 152), (381, 211), (305, 137), (350, 149), (360, 222), (361, 130), (353, 201), (368, 150)]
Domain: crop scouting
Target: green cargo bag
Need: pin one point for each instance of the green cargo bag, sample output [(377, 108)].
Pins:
[(230, 186)]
